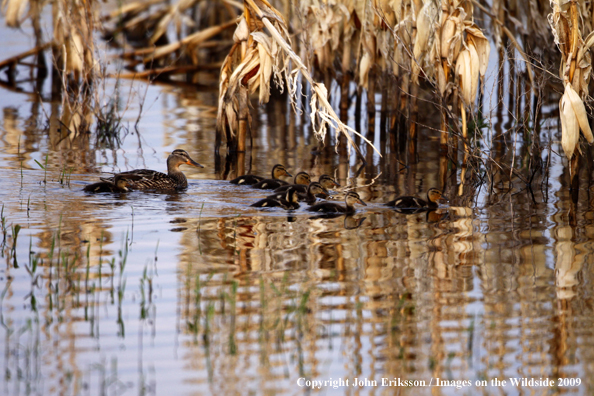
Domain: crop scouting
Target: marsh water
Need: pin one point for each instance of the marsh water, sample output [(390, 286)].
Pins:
[(198, 293)]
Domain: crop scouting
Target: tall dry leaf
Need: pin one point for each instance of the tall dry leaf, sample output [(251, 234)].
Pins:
[(570, 131), (464, 74), (242, 31), (482, 46), (447, 33), (15, 9), (580, 112), (426, 19), (474, 72)]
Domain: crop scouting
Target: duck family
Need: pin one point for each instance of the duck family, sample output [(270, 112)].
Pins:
[(286, 195)]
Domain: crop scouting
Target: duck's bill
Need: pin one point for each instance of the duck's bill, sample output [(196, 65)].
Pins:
[(362, 203), (194, 163), (288, 174), (443, 201)]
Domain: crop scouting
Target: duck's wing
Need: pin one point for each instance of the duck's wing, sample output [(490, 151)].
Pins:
[(145, 179), (407, 203), (247, 180), (266, 203), (327, 207), (269, 184)]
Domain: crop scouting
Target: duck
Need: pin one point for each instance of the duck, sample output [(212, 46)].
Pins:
[(413, 203), (326, 181), (147, 179), (350, 199), (313, 190), (288, 202), (271, 184), (119, 185), (278, 171)]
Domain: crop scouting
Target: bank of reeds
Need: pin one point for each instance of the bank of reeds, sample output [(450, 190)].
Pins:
[(401, 58)]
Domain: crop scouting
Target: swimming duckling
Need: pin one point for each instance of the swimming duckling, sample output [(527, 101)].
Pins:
[(409, 202), (314, 190), (288, 202), (326, 181), (119, 185), (350, 199), (278, 171), (268, 184)]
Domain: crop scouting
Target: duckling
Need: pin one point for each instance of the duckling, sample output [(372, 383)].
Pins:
[(326, 181), (350, 199), (300, 178), (146, 179), (119, 185), (288, 202), (300, 183), (409, 202), (278, 171), (314, 190)]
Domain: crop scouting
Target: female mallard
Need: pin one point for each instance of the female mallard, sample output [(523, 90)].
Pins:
[(278, 171), (146, 179), (314, 189), (326, 181), (288, 202), (271, 184), (350, 199), (119, 185), (414, 203)]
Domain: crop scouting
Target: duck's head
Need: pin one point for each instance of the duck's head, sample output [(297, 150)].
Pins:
[(279, 171), (328, 182), (316, 188), (302, 178), (291, 195), (436, 196), (351, 198), (180, 157)]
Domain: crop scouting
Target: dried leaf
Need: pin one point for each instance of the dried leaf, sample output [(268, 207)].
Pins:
[(427, 17), (14, 11), (447, 33), (570, 132), (474, 72), (464, 73), (242, 32), (482, 46), (580, 112)]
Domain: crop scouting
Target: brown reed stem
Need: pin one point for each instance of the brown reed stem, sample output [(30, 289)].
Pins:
[(243, 118), (574, 37), (464, 132)]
